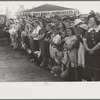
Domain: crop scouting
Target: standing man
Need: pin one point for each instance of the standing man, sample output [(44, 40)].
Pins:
[(35, 34)]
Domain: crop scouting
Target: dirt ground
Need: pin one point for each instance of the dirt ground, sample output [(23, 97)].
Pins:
[(15, 66)]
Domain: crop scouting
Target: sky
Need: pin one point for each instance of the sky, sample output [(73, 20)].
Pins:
[(82, 6)]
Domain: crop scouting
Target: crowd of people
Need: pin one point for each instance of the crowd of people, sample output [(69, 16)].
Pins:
[(67, 47)]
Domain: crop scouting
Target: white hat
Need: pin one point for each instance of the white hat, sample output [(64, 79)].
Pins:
[(84, 26), (77, 21)]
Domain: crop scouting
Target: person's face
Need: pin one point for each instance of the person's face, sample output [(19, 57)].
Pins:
[(56, 31), (67, 24), (72, 23), (60, 25), (63, 35), (56, 22), (78, 25), (80, 30), (41, 25), (64, 22), (91, 22), (35, 24), (47, 27), (69, 32)]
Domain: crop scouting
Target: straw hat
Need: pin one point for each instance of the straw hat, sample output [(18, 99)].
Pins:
[(77, 21)]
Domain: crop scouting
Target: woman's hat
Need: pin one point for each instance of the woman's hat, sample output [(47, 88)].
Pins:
[(77, 21), (84, 26), (94, 15), (91, 14)]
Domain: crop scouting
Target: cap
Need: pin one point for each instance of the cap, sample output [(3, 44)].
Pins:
[(84, 26), (77, 21)]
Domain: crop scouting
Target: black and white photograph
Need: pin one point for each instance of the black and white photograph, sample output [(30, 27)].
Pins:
[(51, 41), (49, 49)]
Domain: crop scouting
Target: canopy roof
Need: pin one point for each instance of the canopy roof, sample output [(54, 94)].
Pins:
[(48, 7)]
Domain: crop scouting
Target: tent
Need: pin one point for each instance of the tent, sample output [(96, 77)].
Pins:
[(48, 9)]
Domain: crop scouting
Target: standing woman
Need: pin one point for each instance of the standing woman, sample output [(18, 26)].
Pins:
[(71, 46), (92, 46), (62, 28)]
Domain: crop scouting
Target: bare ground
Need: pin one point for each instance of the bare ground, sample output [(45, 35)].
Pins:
[(15, 66)]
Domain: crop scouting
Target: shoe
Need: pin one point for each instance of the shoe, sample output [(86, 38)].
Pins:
[(83, 80), (37, 64), (51, 72), (48, 69), (55, 75), (41, 66), (29, 51), (32, 60)]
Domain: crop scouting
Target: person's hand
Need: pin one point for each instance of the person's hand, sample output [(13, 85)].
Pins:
[(91, 51), (39, 36), (47, 40), (68, 47)]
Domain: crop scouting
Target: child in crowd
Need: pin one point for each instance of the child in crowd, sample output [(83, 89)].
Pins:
[(55, 40)]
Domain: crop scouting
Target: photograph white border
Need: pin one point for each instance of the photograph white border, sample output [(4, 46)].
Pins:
[(50, 90)]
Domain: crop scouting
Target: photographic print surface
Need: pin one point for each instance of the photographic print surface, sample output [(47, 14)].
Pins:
[(49, 49), (49, 41)]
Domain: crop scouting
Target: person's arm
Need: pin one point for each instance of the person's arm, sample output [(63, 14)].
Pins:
[(51, 39), (42, 36), (91, 51), (85, 44), (74, 44), (86, 47), (34, 35), (96, 47), (75, 30), (65, 46), (4, 28)]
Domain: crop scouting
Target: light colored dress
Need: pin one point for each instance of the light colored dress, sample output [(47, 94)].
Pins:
[(81, 53), (73, 53)]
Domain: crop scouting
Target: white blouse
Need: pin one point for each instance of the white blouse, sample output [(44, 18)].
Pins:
[(36, 32)]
